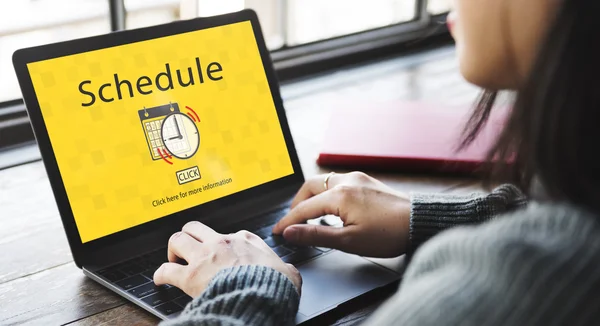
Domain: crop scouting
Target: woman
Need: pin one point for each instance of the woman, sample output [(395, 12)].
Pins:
[(500, 259)]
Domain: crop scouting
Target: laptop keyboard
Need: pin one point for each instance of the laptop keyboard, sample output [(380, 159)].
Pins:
[(135, 276)]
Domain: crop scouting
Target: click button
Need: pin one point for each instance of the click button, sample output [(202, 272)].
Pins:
[(188, 175)]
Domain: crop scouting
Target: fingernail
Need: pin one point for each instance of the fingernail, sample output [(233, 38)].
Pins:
[(156, 273), (291, 233), (175, 235)]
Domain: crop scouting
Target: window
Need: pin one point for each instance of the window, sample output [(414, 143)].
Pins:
[(285, 23), (142, 13), (436, 7), (304, 36), (27, 23)]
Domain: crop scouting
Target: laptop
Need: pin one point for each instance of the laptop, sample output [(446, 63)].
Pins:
[(142, 131)]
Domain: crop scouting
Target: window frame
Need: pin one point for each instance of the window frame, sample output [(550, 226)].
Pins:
[(290, 63)]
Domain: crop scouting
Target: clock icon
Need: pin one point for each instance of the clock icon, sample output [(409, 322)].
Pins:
[(180, 135)]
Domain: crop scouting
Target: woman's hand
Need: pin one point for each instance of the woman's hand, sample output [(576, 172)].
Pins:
[(207, 252), (376, 218)]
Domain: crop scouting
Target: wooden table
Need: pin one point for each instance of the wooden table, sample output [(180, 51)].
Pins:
[(40, 285)]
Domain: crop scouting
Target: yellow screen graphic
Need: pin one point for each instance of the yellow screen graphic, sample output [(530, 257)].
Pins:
[(144, 130)]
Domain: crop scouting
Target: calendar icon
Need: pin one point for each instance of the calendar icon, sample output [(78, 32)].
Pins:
[(152, 120)]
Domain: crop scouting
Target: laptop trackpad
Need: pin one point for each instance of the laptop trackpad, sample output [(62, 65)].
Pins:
[(336, 278)]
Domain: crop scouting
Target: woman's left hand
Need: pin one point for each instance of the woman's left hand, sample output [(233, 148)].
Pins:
[(207, 252)]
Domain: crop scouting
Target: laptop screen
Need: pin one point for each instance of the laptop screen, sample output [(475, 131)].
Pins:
[(151, 128)]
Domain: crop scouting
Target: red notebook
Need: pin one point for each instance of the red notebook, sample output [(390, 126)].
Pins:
[(405, 137)]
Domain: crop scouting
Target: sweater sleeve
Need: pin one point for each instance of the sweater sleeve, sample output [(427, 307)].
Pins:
[(243, 295), (433, 213), (536, 266)]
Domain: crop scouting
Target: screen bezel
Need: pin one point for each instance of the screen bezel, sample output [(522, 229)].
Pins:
[(81, 250)]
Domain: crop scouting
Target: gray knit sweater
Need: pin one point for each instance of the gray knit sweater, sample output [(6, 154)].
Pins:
[(502, 263)]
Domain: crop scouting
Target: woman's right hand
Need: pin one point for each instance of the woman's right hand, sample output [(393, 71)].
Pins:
[(376, 217)]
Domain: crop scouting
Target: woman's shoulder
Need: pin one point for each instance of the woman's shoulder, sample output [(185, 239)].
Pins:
[(536, 266), (542, 232), (541, 221), (551, 219)]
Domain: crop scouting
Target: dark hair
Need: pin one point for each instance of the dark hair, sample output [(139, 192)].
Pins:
[(555, 119)]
